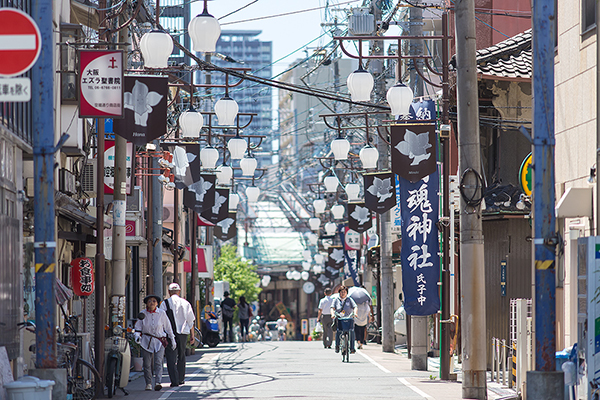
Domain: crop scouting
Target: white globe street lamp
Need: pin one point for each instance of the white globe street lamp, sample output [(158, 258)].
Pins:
[(340, 148), (318, 258), (209, 157), (289, 274), (330, 228), (248, 166), (204, 30), (237, 147), (314, 223), (266, 280), (306, 265), (305, 275), (312, 238), (224, 174), (306, 254), (369, 156), (360, 84), (399, 97), (319, 206), (191, 122), (156, 47), (296, 275), (337, 211), (226, 109), (234, 200), (353, 190), (252, 192), (317, 269), (331, 184)]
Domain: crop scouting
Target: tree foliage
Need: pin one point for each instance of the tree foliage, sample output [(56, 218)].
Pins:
[(242, 277)]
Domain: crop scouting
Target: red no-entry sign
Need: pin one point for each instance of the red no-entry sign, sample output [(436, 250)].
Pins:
[(20, 42)]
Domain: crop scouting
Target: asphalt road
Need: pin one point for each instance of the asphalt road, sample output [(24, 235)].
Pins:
[(298, 370)]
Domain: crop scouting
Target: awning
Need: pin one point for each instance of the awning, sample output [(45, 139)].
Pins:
[(574, 203), (69, 208)]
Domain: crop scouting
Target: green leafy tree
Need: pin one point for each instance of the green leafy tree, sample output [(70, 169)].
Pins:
[(242, 277)]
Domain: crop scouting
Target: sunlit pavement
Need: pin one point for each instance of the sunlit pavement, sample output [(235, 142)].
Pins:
[(279, 370)]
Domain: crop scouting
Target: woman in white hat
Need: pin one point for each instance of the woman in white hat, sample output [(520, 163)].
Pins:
[(154, 328)]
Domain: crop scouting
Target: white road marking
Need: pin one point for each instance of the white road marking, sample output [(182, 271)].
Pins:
[(369, 359), (17, 42), (414, 389)]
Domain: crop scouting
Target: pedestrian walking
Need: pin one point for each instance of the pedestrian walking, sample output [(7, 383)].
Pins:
[(152, 332), (244, 313), (364, 315), (227, 307), (324, 317), (181, 316)]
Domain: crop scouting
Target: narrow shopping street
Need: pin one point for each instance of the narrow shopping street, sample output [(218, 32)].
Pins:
[(292, 369)]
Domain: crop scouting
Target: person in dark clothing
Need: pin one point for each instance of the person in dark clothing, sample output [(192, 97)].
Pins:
[(227, 307)]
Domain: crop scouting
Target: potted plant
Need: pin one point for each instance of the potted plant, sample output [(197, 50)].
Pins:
[(136, 354)]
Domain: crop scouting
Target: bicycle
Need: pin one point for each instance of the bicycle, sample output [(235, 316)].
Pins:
[(345, 325)]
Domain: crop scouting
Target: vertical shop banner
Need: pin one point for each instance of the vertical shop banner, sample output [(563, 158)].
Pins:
[(351, 253), (226, 229), (414, 150), (145, 102), (82, 276), (420, 245), (335, 261), (423, 110), (380, 191), (109, 167), (100, 83), (187, 164), (359, 217), (220, 208), (200, 195)]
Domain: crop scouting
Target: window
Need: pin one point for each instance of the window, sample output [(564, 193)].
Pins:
[(588, 15)]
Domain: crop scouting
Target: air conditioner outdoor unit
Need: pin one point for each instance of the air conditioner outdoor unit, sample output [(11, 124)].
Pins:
[(88, 178)]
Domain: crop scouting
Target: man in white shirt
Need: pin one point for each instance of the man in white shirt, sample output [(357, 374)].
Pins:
[(182, 318), (324, 317)]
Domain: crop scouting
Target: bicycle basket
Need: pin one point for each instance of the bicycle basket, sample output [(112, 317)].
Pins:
[(115, 344), (345, 324)]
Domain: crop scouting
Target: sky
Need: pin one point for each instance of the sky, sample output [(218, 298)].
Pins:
[(288, 32)]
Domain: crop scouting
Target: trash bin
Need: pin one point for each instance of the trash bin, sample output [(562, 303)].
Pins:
[(29, 388)]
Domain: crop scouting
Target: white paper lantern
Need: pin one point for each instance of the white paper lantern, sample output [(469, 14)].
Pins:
[(204, 30), (319, 206), (248, 166), (252, 192), (226, 110), (191, 122), (314, 223), (330, 228), (340, 148), (209, 157), (369, 156), (353, 190), (337, 211), (237, 147), (156, 47), (331, 183), (360, 84), (224, 174), (399, 98), (234, 200)]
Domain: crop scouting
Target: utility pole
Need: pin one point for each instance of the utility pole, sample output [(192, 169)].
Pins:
[(471, 232), (386, 277), (119, 248), (418, 323), (157, 216), (42, 101), (545, 381)]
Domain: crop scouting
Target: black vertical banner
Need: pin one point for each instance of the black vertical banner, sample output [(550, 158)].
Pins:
[(220, 208), (226, 229), (359, 217), (380, 191)]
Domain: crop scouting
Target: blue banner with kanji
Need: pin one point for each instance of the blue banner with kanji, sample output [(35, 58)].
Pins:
[(419, 203)]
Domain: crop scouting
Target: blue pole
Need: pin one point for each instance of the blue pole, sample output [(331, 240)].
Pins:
[(42, 101), (543, 17)]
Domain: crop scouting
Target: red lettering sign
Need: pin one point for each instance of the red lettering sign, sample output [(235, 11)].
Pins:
[(82, 276)]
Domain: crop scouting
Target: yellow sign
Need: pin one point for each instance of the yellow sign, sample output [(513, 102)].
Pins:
[(526, 175)]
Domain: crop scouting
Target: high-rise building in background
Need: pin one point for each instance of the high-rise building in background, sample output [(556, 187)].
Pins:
[(174, 18), (243, 49)]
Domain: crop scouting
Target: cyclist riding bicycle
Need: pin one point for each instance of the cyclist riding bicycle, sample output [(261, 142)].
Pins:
[(344, 307), (281, 327)]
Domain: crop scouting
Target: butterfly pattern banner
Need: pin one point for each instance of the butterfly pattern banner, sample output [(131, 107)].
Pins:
[(226, 229), (380, 191), (414, 150), (359, 217), (200, 195), (145, 109), (420, 246), (220, 209)]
